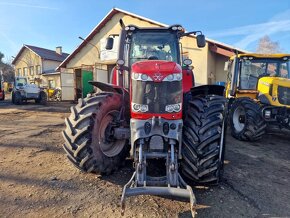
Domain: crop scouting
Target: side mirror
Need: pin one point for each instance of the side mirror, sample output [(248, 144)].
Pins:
[(200, 41), (110, 43)]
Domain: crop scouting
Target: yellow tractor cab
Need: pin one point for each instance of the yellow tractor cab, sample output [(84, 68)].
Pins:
[(258, 89)]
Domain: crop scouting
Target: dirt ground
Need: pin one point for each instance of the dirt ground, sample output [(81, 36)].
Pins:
[(36, 179)]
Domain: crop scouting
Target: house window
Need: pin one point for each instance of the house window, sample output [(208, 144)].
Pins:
[(25, 71), (38, 69), (19, 72), (31, 70), (51, 84)]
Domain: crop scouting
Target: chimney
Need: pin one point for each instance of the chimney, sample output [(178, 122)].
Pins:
[(58, 50)]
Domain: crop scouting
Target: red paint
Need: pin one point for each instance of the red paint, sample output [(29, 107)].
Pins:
[(114, 77), (187, 80), (155, 69)]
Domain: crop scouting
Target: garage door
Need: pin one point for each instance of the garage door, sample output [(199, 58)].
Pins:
[(86, 77), (67, 86)]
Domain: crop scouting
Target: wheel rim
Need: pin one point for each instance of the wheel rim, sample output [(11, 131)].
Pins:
[(239, 119), (113, 148)]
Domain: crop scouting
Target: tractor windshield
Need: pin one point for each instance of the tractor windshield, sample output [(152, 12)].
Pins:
[(153, 45), (252, 70), (21, 81)]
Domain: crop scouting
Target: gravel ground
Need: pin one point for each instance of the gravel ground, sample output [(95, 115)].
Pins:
[(36, 179)]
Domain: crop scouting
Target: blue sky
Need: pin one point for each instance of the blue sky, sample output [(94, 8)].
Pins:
[(50, 23)]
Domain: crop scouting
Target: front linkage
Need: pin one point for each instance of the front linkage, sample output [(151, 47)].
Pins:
[(151, 148), (170, 185)]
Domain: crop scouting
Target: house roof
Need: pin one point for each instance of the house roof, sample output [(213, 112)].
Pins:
[(47, 72), (116, 11), (44, 53)]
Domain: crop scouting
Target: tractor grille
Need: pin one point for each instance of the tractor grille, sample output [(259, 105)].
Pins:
[(32, 95), (284, 95)]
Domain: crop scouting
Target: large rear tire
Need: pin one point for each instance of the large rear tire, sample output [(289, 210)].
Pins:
[(246, 121), (86, 144), (204, 139)]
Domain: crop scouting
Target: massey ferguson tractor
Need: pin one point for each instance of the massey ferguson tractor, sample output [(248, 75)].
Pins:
[(152, 113)]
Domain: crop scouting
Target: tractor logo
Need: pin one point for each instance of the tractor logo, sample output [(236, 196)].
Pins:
[(157, 76)]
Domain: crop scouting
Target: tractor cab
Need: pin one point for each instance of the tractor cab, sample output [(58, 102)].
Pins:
[(153, 48), (20, 82), (23, 90), (252, 73)]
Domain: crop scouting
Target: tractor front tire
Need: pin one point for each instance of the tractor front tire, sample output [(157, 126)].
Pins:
[(246, 121), (17, 98), (42, 99), (204, 139), (85, 134)]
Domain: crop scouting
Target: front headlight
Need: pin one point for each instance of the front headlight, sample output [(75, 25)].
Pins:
[(173, 108), (135, 76), (140, 76), (139, 107), (173, 77)]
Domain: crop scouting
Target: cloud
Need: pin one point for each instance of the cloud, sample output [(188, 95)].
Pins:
[(262, 30), (251, 33), (28, 5)]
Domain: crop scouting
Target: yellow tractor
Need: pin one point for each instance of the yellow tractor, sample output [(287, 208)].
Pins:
[(258, 89)]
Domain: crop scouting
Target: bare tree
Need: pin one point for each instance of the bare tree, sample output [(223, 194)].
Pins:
[(1, 56), (267, 46), (7, 69)]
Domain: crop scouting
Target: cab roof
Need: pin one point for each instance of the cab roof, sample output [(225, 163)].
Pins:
[(255, 55)]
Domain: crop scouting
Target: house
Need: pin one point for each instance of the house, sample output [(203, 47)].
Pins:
[(90, 60), (39, 65)]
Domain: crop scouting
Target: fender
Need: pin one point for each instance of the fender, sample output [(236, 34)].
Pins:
[(208, 90), (108, 87)]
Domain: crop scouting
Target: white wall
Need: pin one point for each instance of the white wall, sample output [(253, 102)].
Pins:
[(49, 65)]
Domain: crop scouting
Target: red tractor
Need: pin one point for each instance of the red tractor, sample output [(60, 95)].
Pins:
[(152, 113)]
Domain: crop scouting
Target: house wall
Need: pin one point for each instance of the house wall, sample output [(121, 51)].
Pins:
[(216, 63), (27, 59), (198, 57), (211, 67), (56, 78), (49, 65), (221, 74)]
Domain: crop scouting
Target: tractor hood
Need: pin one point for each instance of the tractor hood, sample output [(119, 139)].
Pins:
[(29, 88), (152, 67), (267, 81)]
